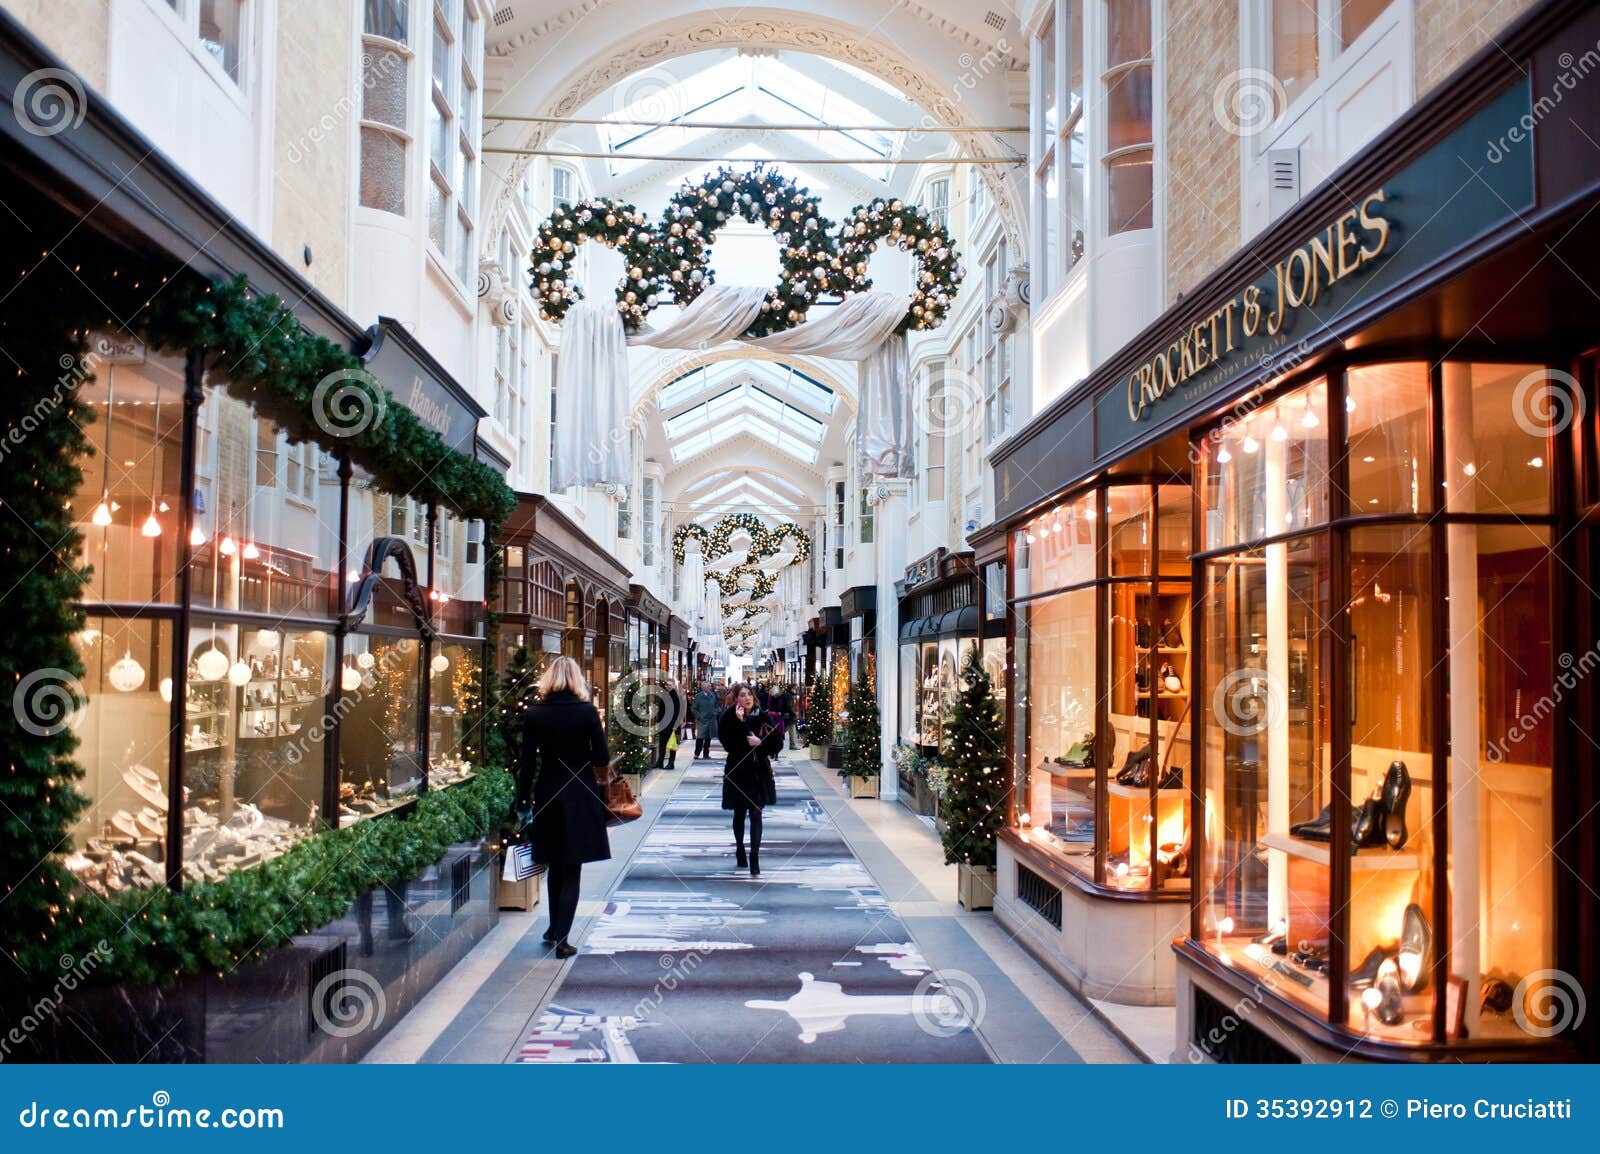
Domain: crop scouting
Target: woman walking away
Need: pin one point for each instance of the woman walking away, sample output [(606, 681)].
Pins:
[(563, 741), (747, 784), (706, 712)]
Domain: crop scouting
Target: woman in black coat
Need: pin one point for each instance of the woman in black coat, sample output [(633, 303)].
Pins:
[(563, 740), (747, 784)]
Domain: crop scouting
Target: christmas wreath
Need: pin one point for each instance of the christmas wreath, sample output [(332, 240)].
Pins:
[(810, 265), (618, 226), (910, 229)]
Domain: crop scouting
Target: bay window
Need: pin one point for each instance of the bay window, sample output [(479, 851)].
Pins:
[(1128, 85), (385, 126)]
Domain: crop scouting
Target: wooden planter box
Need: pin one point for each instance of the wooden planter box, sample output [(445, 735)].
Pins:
[(863, 786), (523, 895), (975, 887), (819, 753)]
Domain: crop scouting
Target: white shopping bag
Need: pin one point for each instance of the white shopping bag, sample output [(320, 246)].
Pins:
[(519, 865)]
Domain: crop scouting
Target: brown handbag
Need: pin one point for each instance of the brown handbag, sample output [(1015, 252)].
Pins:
[(621, 806)]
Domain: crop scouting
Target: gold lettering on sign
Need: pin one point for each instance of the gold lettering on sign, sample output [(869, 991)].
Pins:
[(1296, 282)]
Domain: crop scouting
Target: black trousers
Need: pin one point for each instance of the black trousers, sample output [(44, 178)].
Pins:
[(739, 812), (562, 883), (702, 739), (664, 757)]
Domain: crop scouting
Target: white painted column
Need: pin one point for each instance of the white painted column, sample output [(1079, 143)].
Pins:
[(1466, 787), (890, 500), (1276, 503)]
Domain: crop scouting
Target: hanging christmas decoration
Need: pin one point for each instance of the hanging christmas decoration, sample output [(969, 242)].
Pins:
[(618, 226), (910, 229)]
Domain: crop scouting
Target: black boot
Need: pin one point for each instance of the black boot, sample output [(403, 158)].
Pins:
[(741, 860), (755, 863)]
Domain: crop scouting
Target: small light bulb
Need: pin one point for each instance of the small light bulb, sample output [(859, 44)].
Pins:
[(151, 527), (1279, 433), (227, 548), (1536, 463), (197, 536), (102, 514), (1225, 926), (250, 551), (1308, 419), (1370, 998), (1250, 444), (1223, 456)]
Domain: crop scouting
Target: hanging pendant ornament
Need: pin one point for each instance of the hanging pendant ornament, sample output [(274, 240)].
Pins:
[(126, 675), (212, 665)]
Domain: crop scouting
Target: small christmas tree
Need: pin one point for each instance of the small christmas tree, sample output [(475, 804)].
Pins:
[(818, 727), (629, 728), (517, 689), (973, 803), (863, 754)]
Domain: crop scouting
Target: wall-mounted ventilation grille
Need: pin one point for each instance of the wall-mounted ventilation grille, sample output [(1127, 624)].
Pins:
[(1039, 895), (995, 20), (1283, 180), (503, 15), (460, 882), (1225, 1037), (324, 988)]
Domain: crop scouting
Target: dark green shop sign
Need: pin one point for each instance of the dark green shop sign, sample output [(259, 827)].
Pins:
[(1435, 205)]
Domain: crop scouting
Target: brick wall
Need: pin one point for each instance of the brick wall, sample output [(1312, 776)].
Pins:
[(1202, 156), (318, 97), (1449, 31)]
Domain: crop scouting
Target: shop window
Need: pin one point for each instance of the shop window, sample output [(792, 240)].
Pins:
[(456, 669), (1100, 712), (119, 841), (1129, 156), (380, 758), (1390, 468), (255, 718), (128, 500), (1328, 675), (1271, 470), (385, 117), (254, 549)]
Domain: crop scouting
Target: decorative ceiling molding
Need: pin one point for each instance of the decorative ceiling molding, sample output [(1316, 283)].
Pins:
[(867, 50)]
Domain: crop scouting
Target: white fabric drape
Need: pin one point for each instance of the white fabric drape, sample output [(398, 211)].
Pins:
[(592, 445), (693, 580), (851, 331), (883, 415), (718, 314)]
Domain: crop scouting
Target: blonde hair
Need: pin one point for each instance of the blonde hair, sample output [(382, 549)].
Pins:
[(564, 676)]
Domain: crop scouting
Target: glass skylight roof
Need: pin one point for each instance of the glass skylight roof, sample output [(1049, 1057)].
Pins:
[(758, 90), (781, 380), (745, 408)]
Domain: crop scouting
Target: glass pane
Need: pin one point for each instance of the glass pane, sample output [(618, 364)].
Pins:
[(439, 138), (385, 18), (383, 171), (466, 256), (127, 503), (1132, 204), (379, 742), (383, 83), (1266, 472), (1057, 548), (255, 718), (1498, 421), (1501, 818), (1127, 31), (1047, 78), (1050, 188), (1356, 16), (1391, 782), (1128, 516), (221, 33), (1267, 765), (438, 203), (930, 702), (1390, 470), (1128, 109), (441, 60), (910, 697), (1176, 511), (123, 729), (457, 670), (1056, 691), (1294, 45), (254, 547)]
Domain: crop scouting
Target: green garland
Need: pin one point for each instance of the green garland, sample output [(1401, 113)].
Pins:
[(910, 229), (156, 936), (810, 266), (618, 226)]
